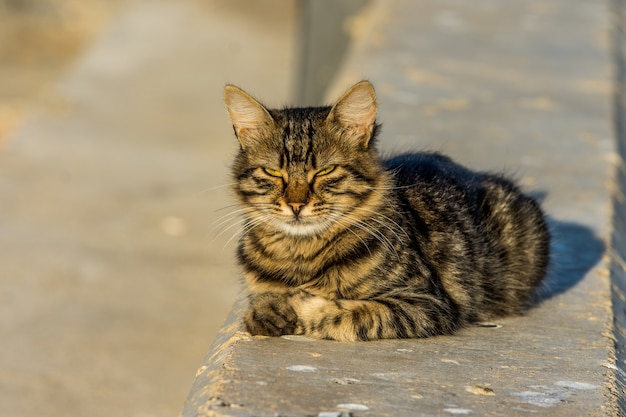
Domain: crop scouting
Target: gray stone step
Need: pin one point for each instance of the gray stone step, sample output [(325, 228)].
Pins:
[(524, 88)]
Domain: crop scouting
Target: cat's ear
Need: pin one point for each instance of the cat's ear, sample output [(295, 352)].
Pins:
[(355, 113), (249, 117)]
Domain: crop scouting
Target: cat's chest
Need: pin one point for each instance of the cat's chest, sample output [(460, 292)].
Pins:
[(331, 266), (292, 251)]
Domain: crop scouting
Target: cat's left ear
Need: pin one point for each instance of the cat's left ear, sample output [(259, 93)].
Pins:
[(250, 118), (355, 113)]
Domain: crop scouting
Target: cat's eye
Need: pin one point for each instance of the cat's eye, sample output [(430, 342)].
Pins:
[(325, 171), (273, 172)]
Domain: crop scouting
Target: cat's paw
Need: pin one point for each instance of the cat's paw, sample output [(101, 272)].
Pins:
[(270, 315)]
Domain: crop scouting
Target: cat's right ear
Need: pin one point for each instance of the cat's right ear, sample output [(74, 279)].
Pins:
[(249, 117), (355, 113)]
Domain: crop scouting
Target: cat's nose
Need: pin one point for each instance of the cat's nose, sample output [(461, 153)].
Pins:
[(296, 207)]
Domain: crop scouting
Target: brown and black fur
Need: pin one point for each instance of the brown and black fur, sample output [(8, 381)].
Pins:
[(340, 244)]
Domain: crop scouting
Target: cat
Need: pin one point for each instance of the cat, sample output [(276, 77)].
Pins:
[(341, 244)]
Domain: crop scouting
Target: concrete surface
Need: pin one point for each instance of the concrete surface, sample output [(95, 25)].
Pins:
[(112, 279), (522, 87), (618, 241)]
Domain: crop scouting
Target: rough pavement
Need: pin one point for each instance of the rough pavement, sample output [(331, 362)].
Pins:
[(112, 282)]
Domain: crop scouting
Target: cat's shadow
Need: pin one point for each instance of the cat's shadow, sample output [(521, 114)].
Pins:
[(575, 249)]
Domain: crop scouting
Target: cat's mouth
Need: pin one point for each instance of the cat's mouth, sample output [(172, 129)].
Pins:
[(299, 226)]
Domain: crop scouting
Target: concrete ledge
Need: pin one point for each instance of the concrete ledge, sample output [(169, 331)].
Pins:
[(618, 241), (525, 88)]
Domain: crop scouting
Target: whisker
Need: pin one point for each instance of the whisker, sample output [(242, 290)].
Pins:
[(218, 187), (236, 223), (397, 187), (246, 228), (384, 223), (248, 206), (235, 213), (227, 207), (339, 219), (384, 240)]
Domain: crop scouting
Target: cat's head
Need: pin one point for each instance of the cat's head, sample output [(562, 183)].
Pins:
[(305, 170)]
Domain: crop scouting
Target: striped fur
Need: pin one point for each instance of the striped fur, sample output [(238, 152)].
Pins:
[(340, 244)]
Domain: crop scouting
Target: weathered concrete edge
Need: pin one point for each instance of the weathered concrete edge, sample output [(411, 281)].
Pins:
[(618, 237), (204, 393)]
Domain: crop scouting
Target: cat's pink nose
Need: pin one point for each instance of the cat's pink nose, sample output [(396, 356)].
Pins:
[(296, 207)]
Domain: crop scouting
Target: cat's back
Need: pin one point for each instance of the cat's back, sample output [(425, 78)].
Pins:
[(502, 232), (423, 168), (430, 175), (437, 187)]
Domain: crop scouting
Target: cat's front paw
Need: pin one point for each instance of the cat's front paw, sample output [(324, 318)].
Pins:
[(270, 315)]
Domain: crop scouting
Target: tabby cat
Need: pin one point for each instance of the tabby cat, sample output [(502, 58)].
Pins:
[(341, 244)]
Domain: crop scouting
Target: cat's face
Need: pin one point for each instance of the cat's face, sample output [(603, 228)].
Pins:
[(303, 171)]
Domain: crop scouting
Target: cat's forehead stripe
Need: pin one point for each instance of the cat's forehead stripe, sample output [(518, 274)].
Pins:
[(298, 140)]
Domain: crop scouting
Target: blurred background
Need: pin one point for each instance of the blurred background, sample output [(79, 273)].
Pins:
[(115, 269)]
